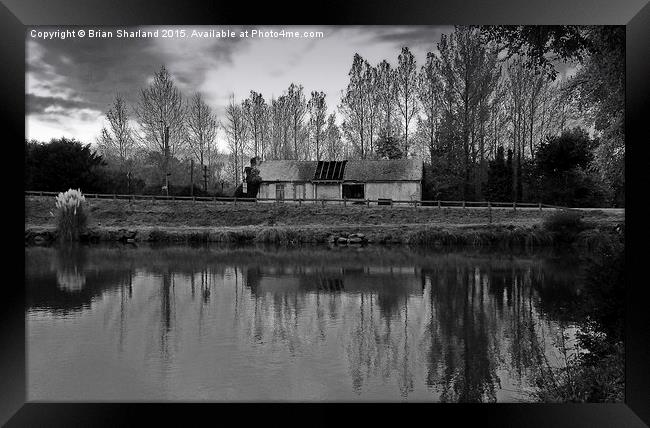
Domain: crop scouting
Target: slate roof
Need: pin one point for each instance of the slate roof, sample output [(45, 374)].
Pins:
[(355, 170), (287, 170)]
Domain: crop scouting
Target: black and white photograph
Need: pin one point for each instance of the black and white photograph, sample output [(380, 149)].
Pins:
[(325, 213)]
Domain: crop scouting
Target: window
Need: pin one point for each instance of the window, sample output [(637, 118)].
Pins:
[(353, 191), (279, 192)]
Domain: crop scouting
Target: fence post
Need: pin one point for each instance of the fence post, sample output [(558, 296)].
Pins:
[(438, 203), (463, 204), (514, 206), (489, 212), (235, 200), (540, 206)]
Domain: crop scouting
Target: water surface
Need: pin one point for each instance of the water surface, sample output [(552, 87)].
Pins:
[(306, 324)]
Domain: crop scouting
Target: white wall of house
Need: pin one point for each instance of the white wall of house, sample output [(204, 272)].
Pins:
[(328, 191), (396, 190)]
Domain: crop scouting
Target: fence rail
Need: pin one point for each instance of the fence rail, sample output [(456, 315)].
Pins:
[(344, 201)]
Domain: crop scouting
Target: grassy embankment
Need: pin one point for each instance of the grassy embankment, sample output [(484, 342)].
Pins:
[(185, 221)]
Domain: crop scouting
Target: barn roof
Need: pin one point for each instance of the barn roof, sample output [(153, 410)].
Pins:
[(354, 170), (287, 170)]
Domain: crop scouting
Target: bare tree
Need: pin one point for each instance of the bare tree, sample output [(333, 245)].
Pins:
[(297, 111), (406, 91), (354, 107), (429, 93), (387, 94), (280, 126), (237, 133), (317, 116), (255, 112), (202, 128), (334, 144), (117, 140), (161, 114)]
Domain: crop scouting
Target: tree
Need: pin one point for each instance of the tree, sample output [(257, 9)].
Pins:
[(429, 93), (563, 167), (280, 125), (202, 128), (371, 98), (297, 106), (386, 94), (469, 76), (499, 181), (161, 115), (406, 84), (117, 140), (388, 147), (599, 84), (62, 164), (333, 143), (255, 114), (317, 116), (236, 133), (354, 107)]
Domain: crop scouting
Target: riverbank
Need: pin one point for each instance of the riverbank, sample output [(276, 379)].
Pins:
[(186, 221)]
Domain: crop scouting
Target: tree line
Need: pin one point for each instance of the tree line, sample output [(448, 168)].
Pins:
[(485, 104)]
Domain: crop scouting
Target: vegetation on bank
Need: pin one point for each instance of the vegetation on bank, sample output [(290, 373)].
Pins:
[(593, 367)]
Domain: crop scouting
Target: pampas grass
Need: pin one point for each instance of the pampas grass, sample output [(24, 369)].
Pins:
[(70, 215)]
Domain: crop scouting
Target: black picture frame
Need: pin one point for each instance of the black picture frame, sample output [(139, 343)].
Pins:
[(16, 15)]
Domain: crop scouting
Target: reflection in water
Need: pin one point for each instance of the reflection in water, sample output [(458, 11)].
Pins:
[(278, 324)]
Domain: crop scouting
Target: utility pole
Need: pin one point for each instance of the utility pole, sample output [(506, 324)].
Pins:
[(191, 177), (205, 178), (166, 147)]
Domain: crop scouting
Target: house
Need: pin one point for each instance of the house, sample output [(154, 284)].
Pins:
[(397, 179)]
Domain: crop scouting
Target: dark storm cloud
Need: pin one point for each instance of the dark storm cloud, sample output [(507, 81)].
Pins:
[(93, 70), (39, 104), (412, 36)]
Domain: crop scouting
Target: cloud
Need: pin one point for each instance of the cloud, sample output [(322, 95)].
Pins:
[(71, 82), (36, 104)]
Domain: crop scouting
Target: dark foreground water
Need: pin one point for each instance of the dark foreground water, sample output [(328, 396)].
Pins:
[(308, 324)]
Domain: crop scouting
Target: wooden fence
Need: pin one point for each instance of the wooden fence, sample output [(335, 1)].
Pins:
[(323, 202)]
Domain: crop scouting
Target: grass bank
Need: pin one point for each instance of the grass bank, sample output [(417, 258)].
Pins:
[(187, 222)]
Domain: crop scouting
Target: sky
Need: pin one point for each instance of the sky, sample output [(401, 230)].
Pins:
[(71, 82)]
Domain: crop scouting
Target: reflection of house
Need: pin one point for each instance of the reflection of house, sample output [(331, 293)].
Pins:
[(366, 279), (397, 179)]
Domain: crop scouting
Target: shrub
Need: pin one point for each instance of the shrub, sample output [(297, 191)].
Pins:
[(565, 223), (70, 214)]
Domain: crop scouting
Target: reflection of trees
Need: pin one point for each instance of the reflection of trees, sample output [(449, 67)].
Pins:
[(465, 327), (480, 317)]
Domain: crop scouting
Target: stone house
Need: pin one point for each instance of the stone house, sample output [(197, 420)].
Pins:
[(396, 180)]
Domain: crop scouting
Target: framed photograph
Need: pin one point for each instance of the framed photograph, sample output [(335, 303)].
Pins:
[(340, 210)]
